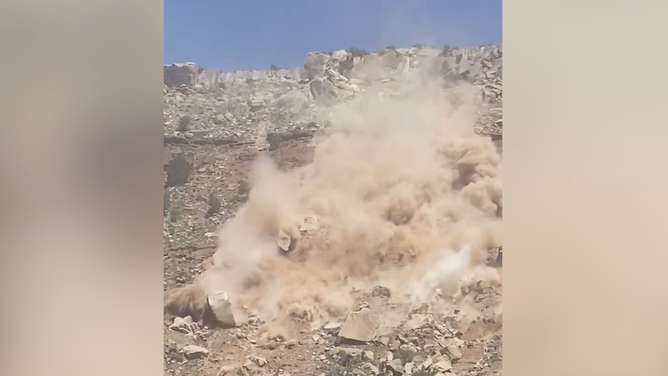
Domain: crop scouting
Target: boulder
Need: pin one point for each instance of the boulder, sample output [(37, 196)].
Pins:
[(179, 74), (361, 326), (221, 307), (323, 92), (315, 64)]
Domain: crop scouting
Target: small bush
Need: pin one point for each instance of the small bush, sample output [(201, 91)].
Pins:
[(214, 205), (274, 67), (390, 47), (184, 122), (178, 171)]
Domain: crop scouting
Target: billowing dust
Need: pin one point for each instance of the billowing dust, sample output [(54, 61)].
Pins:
[(401, 193)]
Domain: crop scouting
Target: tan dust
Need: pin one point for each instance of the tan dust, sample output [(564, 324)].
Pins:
[(398, 185)]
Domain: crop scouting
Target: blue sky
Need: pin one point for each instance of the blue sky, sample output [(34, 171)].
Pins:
[(253, 34)]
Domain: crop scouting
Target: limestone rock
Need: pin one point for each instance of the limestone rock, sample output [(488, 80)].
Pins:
[(453, 352), (283, 241), (309, 224), (360, 326), (183, 325), (323, 92), (222, 309), (179, 74), (443, 366), (314, 65), (193, 352)]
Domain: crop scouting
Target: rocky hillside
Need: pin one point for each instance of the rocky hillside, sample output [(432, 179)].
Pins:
[(218, 123)]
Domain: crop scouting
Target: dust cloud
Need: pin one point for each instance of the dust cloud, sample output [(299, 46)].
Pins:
[(401, 193)]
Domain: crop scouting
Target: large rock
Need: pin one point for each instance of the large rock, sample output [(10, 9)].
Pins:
[(323, 92), (193, 352), (366, 68), (346, 65), (314, 65), (183, 325), (360, 326), (338, 56), (209, 79), (392, 59), (179, 74), (222, 309)]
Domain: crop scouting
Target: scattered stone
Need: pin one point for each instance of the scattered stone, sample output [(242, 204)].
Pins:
[(372, 368), (452, 352), (255, 104), (228, 369), (443, 366), (419, 358), (194, 352), (249, 365), (408, 368), (260, 361), (183, 324), (332, 327), (349, 351), (417, 321), (396, 366), (310, 224)]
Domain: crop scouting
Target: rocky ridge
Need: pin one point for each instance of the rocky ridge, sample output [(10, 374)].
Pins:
[(249, 105)]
